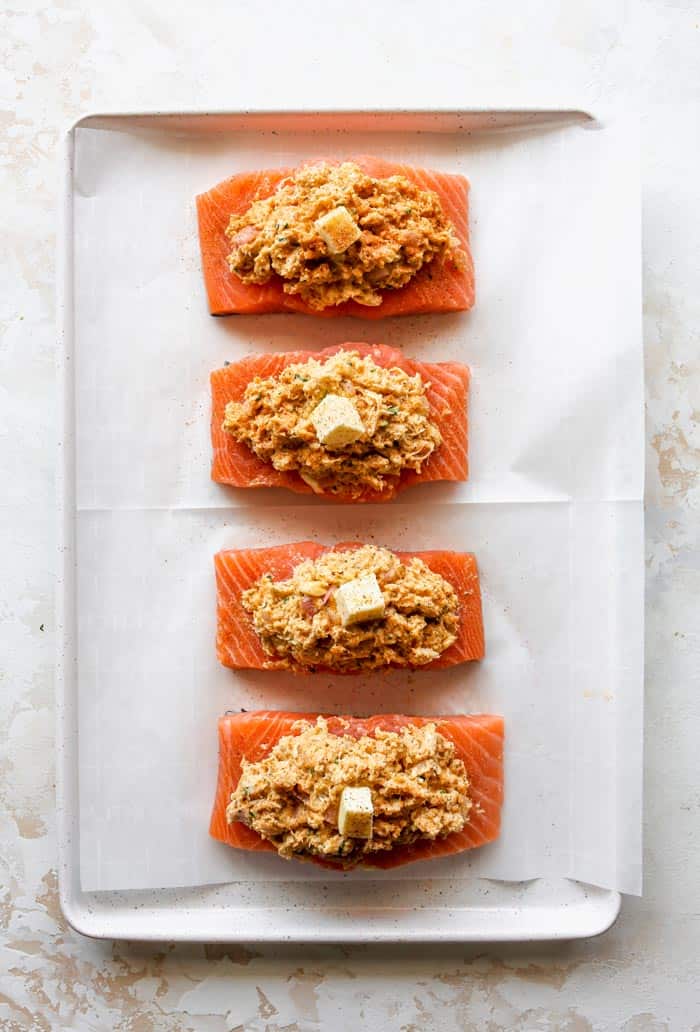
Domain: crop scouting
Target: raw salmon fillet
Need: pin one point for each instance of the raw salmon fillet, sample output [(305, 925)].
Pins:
[(235, 463), (437, 287), (478, 739), (238, 645)]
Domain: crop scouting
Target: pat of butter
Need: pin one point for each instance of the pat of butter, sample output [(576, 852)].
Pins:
[(355, 813), (338, 229), (337, 422), (359, 599)]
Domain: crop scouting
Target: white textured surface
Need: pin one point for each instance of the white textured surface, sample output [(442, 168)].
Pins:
[(60, 60)]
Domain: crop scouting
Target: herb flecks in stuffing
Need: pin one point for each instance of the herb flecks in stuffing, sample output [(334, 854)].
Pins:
[(274, 420), (420, 790), (401, 229), (298, 623)]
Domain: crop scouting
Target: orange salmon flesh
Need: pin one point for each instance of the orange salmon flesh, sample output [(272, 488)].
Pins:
[(478, 739), (437, 287), (235, 463), (237, 642)]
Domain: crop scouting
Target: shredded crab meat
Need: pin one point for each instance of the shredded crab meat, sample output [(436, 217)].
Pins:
[(274, 420), (299, 625), (401, 229), (419, 787)]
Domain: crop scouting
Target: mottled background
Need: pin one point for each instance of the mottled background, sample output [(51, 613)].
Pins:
[(62, 59)]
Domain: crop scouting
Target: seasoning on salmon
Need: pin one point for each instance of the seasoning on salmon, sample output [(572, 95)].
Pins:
[(300, 621), (266, 799), (416, 785), (333, 233), (363, 237), (306, 607), (272, 424), (345, 425)]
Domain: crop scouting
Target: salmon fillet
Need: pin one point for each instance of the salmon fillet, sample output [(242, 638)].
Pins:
[(479, 743), (234, 463), (437, 287), (238, 645)]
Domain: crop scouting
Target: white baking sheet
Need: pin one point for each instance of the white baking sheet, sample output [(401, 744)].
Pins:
[(553, 508)]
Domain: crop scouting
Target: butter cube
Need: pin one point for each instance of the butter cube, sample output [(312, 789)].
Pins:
[(355, 813), (360, 599), (338, 229), (337, 422)]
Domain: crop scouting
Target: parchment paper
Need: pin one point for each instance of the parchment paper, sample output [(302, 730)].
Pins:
[(552, 510)]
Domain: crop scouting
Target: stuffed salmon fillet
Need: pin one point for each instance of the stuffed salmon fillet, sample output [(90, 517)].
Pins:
[(348, 608), (460, 758), (444, 391), (391, 238)]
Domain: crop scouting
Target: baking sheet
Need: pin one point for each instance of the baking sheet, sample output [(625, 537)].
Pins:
[(553, 508)]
